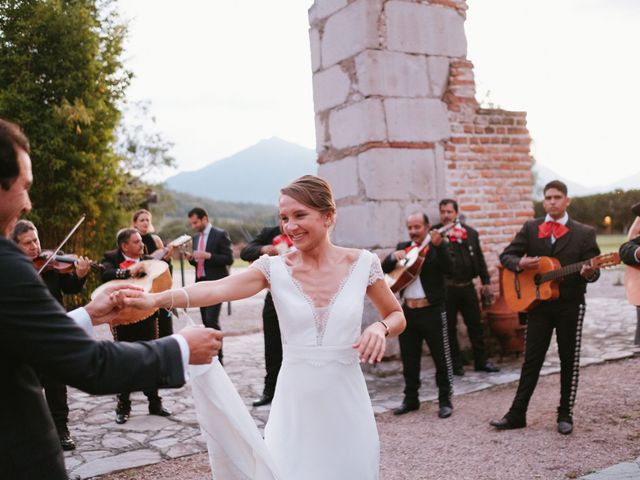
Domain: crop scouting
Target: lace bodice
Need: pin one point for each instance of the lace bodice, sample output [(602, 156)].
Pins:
[(302, 322)]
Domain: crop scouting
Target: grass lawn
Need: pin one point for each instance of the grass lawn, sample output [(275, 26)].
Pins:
[(610, 243)]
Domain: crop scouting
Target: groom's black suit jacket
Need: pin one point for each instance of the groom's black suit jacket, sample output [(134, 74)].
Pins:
[(576, 245), (36, 335)]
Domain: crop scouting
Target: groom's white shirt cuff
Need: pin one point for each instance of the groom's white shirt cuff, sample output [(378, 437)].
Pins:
[(82, 318)]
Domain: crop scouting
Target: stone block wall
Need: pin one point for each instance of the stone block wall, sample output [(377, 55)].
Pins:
[(398, 127)]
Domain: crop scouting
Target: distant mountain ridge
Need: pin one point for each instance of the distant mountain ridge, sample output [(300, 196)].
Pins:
[(255, 174)]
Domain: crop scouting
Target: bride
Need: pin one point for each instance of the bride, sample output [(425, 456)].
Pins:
[(321, 424)]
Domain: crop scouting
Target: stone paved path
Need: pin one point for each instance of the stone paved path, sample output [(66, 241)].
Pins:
[(104, 446)]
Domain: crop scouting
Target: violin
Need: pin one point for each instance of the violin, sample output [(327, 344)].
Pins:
[(62, 263)]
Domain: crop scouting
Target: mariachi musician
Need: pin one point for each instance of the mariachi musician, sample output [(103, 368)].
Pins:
[(25, 235), (555, 235), (123, 263), (423, 306), (270, 241)]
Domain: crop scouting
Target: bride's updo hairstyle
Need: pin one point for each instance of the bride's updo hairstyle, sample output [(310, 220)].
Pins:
[(312, 192)]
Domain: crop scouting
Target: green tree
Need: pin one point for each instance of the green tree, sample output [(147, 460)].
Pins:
[(62, 79)]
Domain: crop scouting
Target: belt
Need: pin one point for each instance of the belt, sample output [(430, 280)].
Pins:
[(416, 302), (451, 283)]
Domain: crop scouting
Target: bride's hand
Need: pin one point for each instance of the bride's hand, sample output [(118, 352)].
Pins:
[(134, 299), (371, 344)]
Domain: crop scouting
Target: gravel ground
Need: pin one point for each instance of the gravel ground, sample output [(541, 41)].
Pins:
[(421, 446)]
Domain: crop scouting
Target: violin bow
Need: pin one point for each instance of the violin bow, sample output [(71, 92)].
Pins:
[(55, 252)]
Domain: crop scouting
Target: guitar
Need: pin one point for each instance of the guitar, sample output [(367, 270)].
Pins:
[(632, 273), (155, 278), (409, 268), (524, 290)]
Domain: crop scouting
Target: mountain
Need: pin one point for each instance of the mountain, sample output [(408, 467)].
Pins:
[(544, 175), (255, 174)]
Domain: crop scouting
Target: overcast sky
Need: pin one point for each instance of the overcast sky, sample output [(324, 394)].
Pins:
[(221, 76)]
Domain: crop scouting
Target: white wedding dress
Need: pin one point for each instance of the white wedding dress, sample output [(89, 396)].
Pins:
[(321, 425)]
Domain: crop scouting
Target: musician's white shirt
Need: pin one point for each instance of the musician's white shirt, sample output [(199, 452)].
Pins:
[(414, 290), (562, 221)]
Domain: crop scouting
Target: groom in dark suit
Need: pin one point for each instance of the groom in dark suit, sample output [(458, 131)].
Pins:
[(37, 336), (212, 257), (555, 235)]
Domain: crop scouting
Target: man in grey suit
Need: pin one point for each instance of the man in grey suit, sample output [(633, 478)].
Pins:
[(37, 337)]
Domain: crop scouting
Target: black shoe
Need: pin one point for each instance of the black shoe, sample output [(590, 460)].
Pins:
[(67, 443), (156, 408), (406, 407), (459, 371), (506, 423), (445, 411), (565, 427), (122, 417), (487, 367), (265, 399)]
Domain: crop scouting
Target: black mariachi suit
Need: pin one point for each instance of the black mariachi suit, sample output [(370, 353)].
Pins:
[(468, 263), (628, 251), (564, 314), (427, 323), (36, 335), (219, 245), (165, 320), (146, 329), (270, 325), (55, 391)]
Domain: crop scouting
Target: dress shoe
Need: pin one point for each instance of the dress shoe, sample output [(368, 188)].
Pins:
[(263, 400), (158, 409), (67, 443), (459, 371), (506, 423), (445, 411), (406, 407), (488, 367), (564, 427), (122, 417)]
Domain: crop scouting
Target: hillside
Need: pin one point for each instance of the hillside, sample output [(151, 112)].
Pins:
[(255, 174)]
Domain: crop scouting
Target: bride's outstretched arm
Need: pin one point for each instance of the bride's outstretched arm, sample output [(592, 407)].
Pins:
[(233, 287), (371, 344)]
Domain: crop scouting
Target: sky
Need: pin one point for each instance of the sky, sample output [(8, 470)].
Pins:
[(221, 76)]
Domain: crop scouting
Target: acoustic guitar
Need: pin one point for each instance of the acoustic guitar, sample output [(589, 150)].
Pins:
[(155, 278), (632, 272), (409, 268), (524, 290)]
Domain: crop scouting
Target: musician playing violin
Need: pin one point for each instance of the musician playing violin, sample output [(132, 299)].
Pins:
[(122, 263), (423, 306), (25, 235), (555, 235)]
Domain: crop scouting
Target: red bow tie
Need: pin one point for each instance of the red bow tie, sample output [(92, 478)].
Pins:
[(457, 234), (126, 264), (547, 229)]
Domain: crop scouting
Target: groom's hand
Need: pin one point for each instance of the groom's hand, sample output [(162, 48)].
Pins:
[(204, 343)]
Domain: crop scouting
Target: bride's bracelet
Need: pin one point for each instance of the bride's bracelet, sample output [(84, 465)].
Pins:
[(186, 294), (386, 327)]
